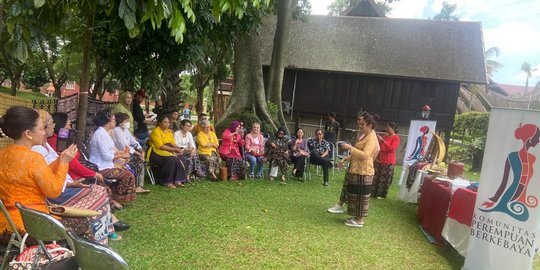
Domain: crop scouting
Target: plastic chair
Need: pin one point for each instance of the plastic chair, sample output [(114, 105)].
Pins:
[(16, 240), (94, 256), (42, 227)]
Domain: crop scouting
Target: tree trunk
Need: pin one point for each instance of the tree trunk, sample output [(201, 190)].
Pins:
[(249, 92), (200, 97), (216, 104), (277, 66), (14, 85), (85, 73)]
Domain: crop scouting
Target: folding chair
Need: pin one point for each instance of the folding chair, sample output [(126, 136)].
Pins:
[(94, 256), (16, 240), (42, 227), (309, 164)]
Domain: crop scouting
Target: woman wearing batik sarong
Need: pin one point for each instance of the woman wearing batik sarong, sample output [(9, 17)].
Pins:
[(359, 178), (229, 150), (384, 165), (79, 195), (185, 141), (207, 145), (278, 154), (104, 155), (25, 176)]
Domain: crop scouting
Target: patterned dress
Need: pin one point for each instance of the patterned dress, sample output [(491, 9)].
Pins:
[(279, 156)]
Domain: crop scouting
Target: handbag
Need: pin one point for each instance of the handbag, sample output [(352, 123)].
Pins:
[(62, 258), (65, 211)]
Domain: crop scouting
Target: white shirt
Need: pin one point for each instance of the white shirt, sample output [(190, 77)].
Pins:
[(102, 149), (123, 137), (184, 141), (50, 156)]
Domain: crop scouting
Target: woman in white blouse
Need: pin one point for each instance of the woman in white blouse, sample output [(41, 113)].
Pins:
[(123, 138), (184, 139), (104, 155)]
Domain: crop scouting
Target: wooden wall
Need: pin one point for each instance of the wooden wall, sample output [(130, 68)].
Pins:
[(393, 99)]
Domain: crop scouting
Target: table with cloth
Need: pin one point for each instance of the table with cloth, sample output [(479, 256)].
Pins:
[(457, 226), (445, 209)]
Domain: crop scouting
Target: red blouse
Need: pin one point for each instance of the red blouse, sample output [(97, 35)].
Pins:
[(76, 169), (388, 146)]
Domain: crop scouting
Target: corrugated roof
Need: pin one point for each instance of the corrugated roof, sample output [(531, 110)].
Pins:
[(425, 49)]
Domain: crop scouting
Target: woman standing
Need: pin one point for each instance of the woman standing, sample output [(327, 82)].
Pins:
[(231, 141), (255, 150), (163, 152), (184, 139), (384, 166), (125, 104), (207, 145), (299, 153), (104, 155), (26, 177), (358, 180), (279, 155), (123, 138)]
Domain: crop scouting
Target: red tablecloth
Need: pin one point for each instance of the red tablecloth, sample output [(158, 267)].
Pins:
[(424, 189), (433, 206), (462, 206)]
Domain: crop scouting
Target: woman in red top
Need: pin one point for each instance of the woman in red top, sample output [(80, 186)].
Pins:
[(229, 150), (384, 164)]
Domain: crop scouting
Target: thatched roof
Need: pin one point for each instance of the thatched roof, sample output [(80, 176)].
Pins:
[(425, 49)]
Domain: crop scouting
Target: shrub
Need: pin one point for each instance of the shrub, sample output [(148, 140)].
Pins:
[(472, 128), (247, 117)]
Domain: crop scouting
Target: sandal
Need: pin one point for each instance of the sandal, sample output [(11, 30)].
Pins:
[(117, 205), (179, 184), (353, 223), (170, 186)]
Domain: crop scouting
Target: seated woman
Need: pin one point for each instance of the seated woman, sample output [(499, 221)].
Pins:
[(79, 195), (163, 152), (299, 153), (26, 177), (207, 146), (122, 138), (255, 150), (278, 155), (231, 141), (104, 155), (184, 139)]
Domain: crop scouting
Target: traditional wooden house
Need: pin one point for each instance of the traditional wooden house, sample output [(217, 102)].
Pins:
[(389, 67)]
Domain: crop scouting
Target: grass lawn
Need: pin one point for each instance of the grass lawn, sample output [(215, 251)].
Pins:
[(263, 225), (25, 95)]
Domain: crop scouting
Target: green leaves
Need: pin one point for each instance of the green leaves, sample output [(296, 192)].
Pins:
[(126, 11)]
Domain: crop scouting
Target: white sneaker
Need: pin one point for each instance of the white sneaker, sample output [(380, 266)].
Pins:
[(336, 209)]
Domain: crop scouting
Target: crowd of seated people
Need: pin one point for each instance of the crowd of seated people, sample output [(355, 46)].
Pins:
[(38, 174)]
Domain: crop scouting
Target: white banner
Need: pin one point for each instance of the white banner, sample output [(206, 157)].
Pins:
[(417, 143), (507, 217)]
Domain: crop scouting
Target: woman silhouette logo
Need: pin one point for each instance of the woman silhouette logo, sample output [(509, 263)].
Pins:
[(419, 147), (511, 198)]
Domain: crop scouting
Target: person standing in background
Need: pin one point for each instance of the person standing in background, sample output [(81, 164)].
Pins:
[(140, 130), (331, 128), (384, 164)]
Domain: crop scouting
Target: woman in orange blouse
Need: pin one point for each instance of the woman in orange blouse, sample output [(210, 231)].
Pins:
[(163, 151), (25, 177)]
